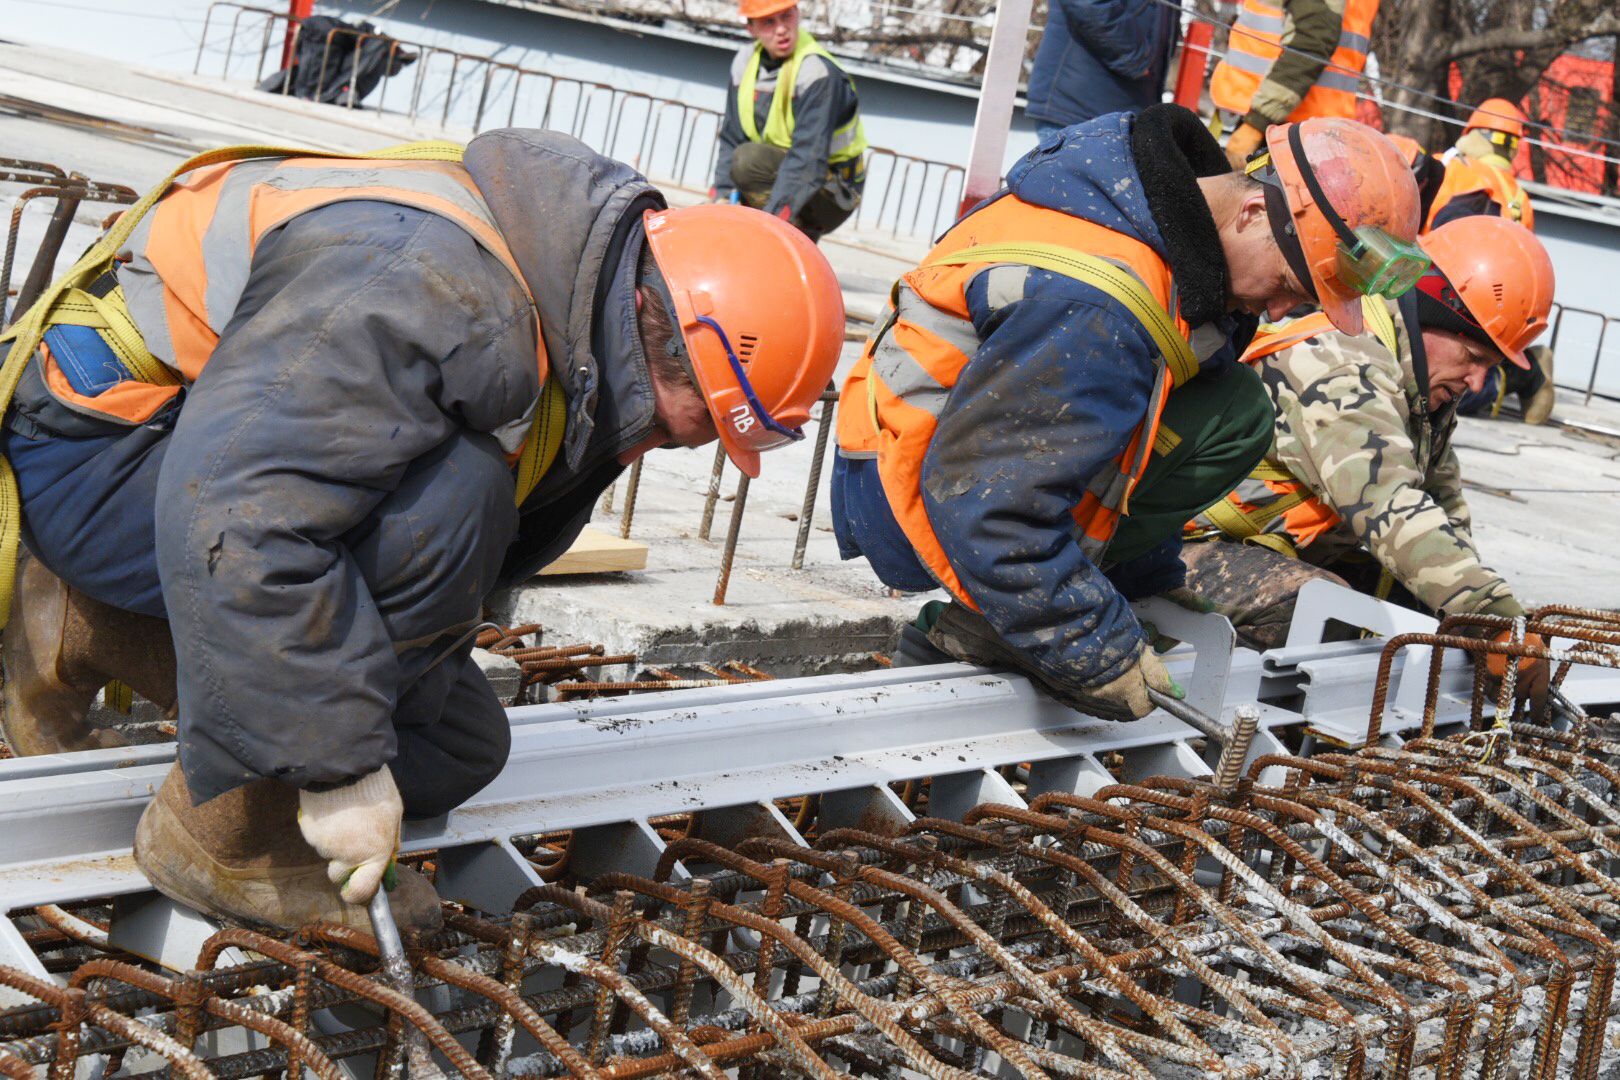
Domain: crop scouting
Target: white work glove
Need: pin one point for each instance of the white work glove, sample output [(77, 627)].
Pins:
[(354, 827)]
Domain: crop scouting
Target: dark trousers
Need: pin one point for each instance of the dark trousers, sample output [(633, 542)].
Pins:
[(753, 169), (424, 558), (1221, 427)]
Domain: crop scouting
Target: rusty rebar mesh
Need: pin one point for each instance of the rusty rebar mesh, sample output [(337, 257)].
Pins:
[(1444, 908)]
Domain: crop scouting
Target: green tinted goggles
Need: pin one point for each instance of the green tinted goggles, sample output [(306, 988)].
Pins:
[(1378, 264)]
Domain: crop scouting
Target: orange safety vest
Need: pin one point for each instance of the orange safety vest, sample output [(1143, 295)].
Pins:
[(891, 403), (1256, 42), (1270, 506), (1465, 176), (198, 243)]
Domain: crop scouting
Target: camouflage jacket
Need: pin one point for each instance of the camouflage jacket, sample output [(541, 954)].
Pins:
[(1353, 425)]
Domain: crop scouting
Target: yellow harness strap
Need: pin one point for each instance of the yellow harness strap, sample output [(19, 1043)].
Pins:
[(1102, 275), (68, 302)]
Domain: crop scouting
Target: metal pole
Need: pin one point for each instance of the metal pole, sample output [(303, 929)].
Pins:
[(993, 121), (713, 494), (1194, 60), (829, 401), (726, 556), (297, 12), (1597, 358), (630, 500), (50, 245)]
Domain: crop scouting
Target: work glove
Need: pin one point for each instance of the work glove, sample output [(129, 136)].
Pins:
[(1245, 140), (1533, 678), (355, 827), (967, 636)]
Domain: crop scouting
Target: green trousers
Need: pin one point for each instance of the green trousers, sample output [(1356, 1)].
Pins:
[(1220, 428)]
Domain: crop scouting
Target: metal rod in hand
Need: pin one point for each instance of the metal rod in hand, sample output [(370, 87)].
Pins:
[(712, 496), (730, 552), (1191, 716), (396, 971), (630, 500), (829, 401)]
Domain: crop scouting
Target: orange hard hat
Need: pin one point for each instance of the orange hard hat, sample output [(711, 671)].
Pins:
[(1347, 189), (1498, 114), (762, 9), (1492, 281), (762, 317)]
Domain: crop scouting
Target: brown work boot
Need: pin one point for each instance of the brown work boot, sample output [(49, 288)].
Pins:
[(59, 649), (240, 858), (1537, 405)]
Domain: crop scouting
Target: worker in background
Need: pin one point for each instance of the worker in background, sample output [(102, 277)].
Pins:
[(1098, 57), (791, 143), (298, 424), (1058, 382), (1290, 60), (1480, 179), (1361, 484)]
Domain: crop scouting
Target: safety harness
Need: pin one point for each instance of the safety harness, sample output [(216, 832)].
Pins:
[(88, 296)]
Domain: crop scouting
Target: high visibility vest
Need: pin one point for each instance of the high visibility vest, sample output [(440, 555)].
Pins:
[(196, 233), (1256, 42), (890, 405), (1272, 507), (1464, 176), (848, 142)]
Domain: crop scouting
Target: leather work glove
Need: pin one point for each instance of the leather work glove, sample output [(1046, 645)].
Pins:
[(1533, 678), (967, 636), (355, 827), (1245, 140)]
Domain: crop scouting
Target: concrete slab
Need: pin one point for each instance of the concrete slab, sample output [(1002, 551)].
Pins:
[(1543, 498)]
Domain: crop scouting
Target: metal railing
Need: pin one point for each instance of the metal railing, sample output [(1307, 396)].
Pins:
[(667, 139), (1604, 322), (44, 180)]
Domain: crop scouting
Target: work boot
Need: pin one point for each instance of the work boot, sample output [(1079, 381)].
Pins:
[(59, 649), (240, 858), (1536, 400)]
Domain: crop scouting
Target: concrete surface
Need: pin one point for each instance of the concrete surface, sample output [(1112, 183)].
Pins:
[(1543, 499)]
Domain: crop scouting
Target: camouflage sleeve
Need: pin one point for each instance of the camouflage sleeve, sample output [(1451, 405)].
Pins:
[(1312, 28), (1445, 484), (1342, 428)]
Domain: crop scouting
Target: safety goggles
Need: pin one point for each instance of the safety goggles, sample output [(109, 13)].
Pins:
[(1370, 260), (760, 440)]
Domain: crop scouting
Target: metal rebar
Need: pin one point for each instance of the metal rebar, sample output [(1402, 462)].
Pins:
[(829, 401), (739, 504), (712, 494)]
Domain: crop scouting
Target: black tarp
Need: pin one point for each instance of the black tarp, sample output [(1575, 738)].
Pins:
[(325, 61)]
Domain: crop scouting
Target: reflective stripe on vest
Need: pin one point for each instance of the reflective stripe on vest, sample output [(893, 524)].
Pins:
[(848, 142), (1256, 42), (1272, 506), (193, 240), (1465, 176), (893, 399)]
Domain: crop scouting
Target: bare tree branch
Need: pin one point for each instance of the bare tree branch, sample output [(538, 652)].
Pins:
[(1508, 39)]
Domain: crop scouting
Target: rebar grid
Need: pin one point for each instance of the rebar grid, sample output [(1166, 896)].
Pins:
[(1445, 908)]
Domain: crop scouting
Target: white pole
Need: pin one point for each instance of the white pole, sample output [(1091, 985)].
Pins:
[(992, 123)]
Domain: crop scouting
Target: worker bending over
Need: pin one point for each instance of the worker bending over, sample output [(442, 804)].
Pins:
[(1290, 60), (311, 416), (1058, 381), (1361, 484), (791, 143)]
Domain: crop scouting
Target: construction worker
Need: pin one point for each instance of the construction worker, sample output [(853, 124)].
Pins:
[(791, 143), (297, 420), (1479, 175), (1290, 60), (1058, 380), (1361, 484)]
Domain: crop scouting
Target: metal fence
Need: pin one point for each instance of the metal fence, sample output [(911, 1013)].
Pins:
[(673, 141), (1603, 320)]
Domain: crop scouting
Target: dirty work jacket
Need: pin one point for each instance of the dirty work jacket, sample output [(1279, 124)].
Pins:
[(410, 334), (1099, 56), (823, 104), (1360, 463), (1059, 379)]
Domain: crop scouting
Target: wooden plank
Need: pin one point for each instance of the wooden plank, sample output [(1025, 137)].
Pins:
[(597, 552)]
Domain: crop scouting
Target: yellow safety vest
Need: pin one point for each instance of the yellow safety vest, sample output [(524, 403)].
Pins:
[(78, 298), (848, 142)]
